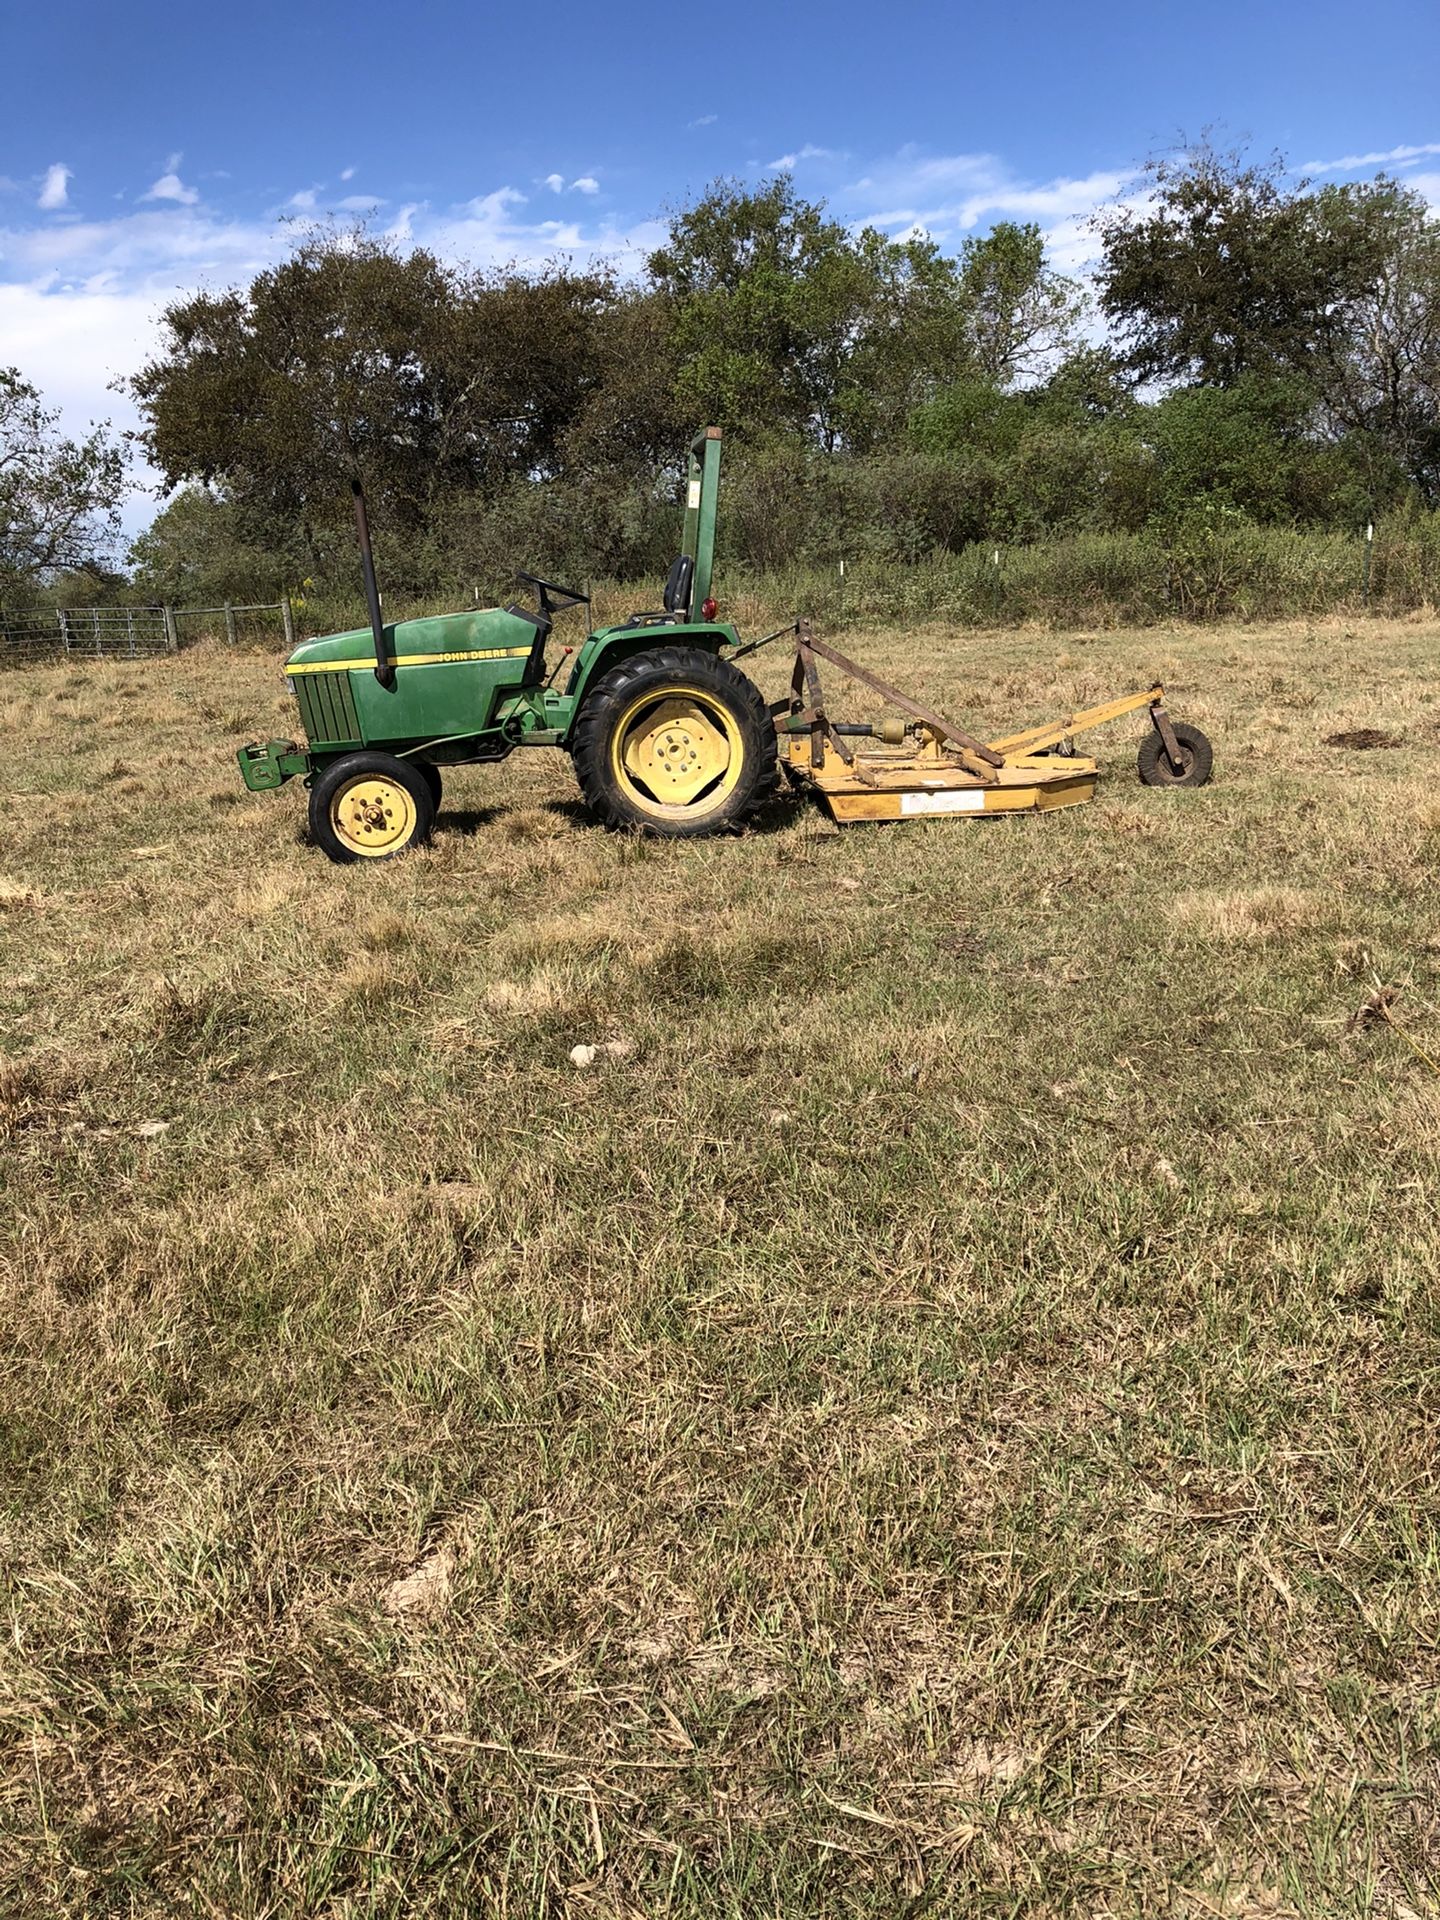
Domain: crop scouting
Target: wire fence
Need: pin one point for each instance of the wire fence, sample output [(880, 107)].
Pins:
[(130, 633)]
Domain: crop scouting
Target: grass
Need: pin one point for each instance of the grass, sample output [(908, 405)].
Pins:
[(940, 1420)]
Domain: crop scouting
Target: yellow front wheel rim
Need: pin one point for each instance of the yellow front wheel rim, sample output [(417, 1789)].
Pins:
[(372, 816), (677, 750)]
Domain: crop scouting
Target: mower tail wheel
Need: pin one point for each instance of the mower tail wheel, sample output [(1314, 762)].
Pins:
[(675, 742), (1197, 758), (370, 806)]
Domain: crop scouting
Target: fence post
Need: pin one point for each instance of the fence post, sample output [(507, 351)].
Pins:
[(229, 623), (287, 615), (1369, 544), (64, 627), (172, 636)]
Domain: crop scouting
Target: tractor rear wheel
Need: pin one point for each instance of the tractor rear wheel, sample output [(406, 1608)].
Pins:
[(432, 779), (675, 742), (370, 806), (1197, 757)]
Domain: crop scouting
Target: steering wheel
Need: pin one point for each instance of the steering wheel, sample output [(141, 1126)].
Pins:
[(567, 596)]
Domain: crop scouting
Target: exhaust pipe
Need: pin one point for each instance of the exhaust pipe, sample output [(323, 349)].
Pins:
[(384, 666)]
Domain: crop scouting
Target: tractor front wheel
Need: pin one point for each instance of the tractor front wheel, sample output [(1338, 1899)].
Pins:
[(370, 806), (675, 742)]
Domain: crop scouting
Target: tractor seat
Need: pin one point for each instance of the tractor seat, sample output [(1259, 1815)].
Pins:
[(677, 596)]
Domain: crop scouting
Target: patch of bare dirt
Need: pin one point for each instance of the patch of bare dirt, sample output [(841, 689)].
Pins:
[(1362, 739)]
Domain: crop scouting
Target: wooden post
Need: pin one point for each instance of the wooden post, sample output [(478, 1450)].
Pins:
[(130, 629), (95, 625), (287, 616), (172, 637), (64, 627), (229, 623)]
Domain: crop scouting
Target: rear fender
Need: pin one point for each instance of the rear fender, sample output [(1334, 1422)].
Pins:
[(602, 651)]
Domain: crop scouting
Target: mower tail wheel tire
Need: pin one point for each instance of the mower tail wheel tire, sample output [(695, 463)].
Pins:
[(1197, 758), (370, 806), (675, 742)]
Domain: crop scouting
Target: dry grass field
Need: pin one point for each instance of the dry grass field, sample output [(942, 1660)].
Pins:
[(941, 1417)]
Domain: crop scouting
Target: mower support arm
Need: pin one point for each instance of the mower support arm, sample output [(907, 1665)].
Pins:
[(1036, 739), (991, 756)]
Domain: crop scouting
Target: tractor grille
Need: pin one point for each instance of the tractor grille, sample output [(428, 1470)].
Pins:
[(327, 707)]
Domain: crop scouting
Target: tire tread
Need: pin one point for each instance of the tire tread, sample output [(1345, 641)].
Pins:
[(603, 704)]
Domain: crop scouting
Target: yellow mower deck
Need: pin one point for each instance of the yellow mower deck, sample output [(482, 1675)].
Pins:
[(931, 766), (877, 788)]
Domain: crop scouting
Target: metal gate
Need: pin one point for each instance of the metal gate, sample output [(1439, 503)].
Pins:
[(126, 633)]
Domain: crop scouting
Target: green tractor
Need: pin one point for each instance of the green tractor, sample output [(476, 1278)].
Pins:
[(667, 735)]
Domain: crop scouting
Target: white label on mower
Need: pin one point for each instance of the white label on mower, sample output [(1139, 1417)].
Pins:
[(957, 800), (694, 500)]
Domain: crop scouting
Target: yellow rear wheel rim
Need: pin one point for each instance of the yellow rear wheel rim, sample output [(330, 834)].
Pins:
[(677, 751), (372, 816)]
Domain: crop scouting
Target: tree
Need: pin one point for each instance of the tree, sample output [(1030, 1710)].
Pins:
[(766, 296), (199, 551), (353, 360), (912, 339), (632, 420), (783, 322), (1223, 271), (1247, 449), (1020, 315), (59, 498), (1377, 369)]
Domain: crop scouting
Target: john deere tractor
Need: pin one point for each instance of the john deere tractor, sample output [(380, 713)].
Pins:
[(667, 736)]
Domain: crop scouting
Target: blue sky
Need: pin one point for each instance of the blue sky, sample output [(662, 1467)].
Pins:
[(160, 147)]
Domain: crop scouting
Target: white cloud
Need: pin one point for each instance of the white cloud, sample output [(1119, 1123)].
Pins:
[(947, 196), (171, 187), (73, 346), (55, 188), (788, 162), (956, 192), (705, 120), (585, 184), (402, 227), (1353, 162), (486, 232), (347, 173), (555, 182), (315, 200), (158, 248)]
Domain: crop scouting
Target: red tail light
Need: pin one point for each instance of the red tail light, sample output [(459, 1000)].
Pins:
[(709, 610)]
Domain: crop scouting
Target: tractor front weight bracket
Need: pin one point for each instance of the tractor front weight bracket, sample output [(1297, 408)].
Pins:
[(265, 768)]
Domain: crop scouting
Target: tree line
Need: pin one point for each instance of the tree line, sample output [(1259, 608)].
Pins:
[(1252, 350)]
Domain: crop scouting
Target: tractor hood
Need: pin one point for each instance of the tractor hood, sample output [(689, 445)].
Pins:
[(491, 634)]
